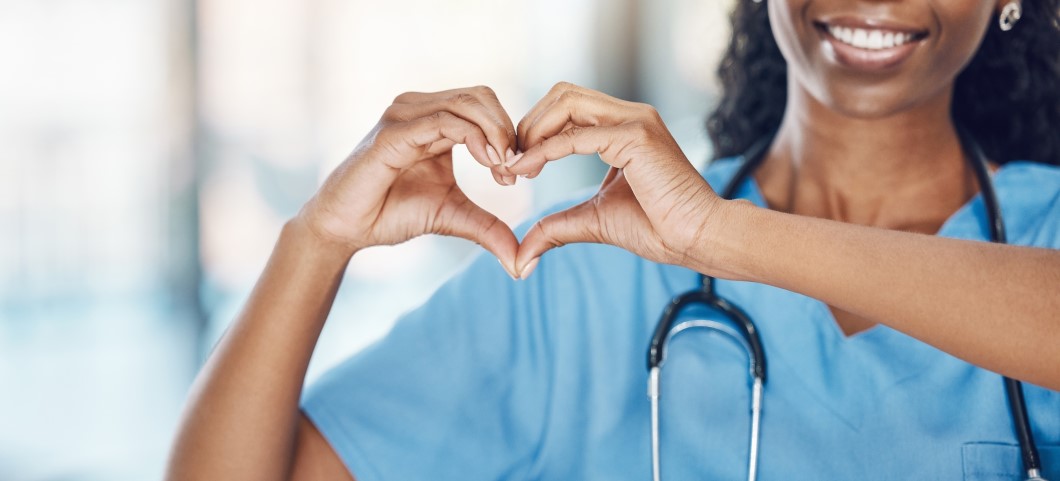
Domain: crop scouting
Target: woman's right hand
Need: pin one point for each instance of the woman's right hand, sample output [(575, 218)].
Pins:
[(399, 184)]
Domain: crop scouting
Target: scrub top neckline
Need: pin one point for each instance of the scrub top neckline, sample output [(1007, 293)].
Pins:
[(755, 195), (849, 375)]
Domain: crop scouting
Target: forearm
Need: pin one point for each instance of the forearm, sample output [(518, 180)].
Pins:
[(992, 305), (242, 411)]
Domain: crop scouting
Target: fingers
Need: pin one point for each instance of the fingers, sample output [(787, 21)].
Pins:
[(546, 102), (460, 217), (535, 111), (399, 146), (411, 140), (445, 145), (609, 142), (568, 105), (478, 105)]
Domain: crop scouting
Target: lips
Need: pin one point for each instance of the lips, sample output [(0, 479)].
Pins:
[(868, 45)]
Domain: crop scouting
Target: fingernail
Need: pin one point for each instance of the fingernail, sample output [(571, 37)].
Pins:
[(492, 153), (509, 179), (529, 269), (513, 159), (507, 271), (509, 154)]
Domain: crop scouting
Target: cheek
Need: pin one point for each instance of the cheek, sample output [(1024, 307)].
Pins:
[(787, 27), (963, 25), (799, 46)]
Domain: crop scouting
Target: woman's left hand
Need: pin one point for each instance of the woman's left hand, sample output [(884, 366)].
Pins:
[(652, 202)]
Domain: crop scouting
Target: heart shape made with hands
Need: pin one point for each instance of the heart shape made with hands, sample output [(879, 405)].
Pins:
[(399, 182), (647, 202)]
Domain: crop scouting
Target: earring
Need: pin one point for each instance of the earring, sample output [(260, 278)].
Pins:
[(1010, 14)]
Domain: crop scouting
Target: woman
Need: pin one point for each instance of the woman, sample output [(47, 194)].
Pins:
[(885, 344)]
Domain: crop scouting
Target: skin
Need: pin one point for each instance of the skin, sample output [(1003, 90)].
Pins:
[(862, 167)]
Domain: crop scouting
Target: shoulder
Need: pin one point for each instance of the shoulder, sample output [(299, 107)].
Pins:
[(1037, 175), (1029, 193)]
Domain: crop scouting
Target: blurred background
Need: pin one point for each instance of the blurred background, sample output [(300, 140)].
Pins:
[(150, 151)]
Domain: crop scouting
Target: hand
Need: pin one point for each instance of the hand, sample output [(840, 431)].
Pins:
[(652, 202), (398, 183)]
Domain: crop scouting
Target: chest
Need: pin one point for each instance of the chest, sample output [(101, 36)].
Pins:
[(833, 407)]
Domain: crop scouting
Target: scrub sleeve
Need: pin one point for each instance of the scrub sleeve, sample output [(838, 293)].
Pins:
[(454, 391)]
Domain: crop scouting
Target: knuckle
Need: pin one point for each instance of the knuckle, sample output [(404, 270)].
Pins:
[(392, 112), (498, 131), (403, 97), (569, 97), (648, 111), (439, 116), (484, 228), (463, 98), (509, 129), (484, 90), (570, 134), (562, 85), (548, 232)]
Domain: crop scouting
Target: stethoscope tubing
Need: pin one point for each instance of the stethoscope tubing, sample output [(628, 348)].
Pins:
[(758, 376), (748, 334), (1013, 389)]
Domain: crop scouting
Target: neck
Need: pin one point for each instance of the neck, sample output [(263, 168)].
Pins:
[(903, 171)]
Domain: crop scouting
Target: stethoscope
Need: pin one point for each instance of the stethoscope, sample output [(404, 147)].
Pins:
[(742, 330)]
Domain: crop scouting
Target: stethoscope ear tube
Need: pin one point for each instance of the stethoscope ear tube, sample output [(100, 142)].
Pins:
[(1032, 464)]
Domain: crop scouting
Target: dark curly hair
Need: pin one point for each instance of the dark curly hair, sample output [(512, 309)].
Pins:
[(1008, 97)]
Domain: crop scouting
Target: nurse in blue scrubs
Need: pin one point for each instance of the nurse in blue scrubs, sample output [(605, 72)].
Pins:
[(858, 248)]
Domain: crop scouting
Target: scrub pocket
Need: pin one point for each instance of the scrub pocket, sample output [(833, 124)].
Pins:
[(1001, 462)]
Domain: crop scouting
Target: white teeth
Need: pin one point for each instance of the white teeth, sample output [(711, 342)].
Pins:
[(869, 39), (861, 38), (876, 40), (888, 40)]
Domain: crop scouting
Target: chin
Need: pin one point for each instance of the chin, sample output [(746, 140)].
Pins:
[(864, 108), (876, 101)]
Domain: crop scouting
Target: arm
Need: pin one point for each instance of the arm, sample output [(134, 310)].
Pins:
[(242, 416), (996, 306), (242, 420)]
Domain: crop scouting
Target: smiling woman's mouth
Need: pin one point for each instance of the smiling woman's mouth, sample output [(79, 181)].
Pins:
[(871, 39), (870, 48)]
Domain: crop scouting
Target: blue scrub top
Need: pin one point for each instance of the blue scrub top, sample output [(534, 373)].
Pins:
[(546, 378)]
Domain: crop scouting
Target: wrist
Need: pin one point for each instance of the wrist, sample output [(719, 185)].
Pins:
[(720, 247), (300, 233)]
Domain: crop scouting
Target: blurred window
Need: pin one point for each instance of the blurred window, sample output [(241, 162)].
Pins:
[(151, 150)]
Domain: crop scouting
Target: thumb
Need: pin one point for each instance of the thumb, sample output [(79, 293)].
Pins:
[(467, 220), (574, 225)]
